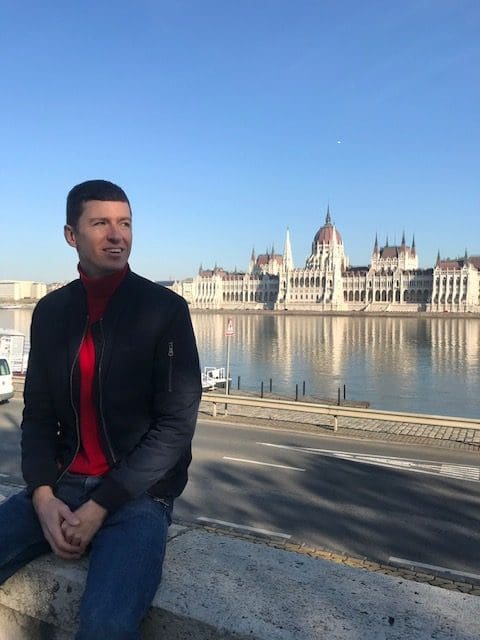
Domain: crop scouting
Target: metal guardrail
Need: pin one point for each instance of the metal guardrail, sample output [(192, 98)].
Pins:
[(340, 411)]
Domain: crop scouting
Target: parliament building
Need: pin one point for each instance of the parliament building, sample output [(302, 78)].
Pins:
[(392, 282)]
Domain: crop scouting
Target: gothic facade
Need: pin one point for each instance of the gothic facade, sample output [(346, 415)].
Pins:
[(392, 281)]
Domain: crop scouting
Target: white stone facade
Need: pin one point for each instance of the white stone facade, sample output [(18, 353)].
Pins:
[(18, 290), (393, 281)]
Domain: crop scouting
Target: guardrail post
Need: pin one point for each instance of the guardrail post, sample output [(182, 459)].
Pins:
[(270, 385), (344, 391), (335, 423), (261, 390), (238, 383), (338, 396), (303, 390), (296, 392), (214, 409)]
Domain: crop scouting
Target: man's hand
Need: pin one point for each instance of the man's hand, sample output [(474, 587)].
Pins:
[(90, 518), (52, 514)]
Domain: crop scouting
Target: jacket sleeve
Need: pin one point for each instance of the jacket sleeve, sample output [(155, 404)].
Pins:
[(175, 398), (39, 424)]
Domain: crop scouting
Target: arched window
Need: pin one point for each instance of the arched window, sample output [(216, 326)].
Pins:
[(377, 296), (384, 296)]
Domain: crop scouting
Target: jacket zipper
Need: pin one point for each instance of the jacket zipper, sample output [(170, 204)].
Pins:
[(100, 408), (170, 366), (72, 402)]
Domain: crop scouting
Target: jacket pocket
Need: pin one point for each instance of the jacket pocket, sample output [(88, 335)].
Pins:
[(170, 366)]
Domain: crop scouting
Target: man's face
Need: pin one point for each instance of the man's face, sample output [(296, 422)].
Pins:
[(102, 237)]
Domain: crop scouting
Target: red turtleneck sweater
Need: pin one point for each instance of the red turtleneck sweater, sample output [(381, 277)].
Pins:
[(91, 459)]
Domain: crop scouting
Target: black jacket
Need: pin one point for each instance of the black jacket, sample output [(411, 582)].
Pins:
[(147, 389)]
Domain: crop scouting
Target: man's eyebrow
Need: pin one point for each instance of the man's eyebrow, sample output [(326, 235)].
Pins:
[(98, 218)]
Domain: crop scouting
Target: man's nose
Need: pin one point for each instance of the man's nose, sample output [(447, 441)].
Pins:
[(114, 234)]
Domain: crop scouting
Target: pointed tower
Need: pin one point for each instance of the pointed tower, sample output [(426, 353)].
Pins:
[(438, 258), (253, 260), (375, 246), (414, 249), (287, 253), (328, 219)]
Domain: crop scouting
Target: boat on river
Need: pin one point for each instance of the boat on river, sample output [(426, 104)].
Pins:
[(213, 377)]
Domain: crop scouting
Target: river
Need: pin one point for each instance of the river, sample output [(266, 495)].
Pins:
[(424, 365)]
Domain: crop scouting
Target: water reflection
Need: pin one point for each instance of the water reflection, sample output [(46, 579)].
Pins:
[(428, 365)]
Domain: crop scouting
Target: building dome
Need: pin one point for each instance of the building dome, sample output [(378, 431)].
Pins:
[(325, 234)]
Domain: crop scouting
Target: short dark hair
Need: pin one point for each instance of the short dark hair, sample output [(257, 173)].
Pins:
[(92, 190)]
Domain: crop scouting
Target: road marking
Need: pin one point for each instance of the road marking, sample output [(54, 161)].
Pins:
[(432, 567), (456, 471), (245, 528), (264, 464)]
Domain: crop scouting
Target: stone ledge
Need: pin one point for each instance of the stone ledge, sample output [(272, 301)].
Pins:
[(223, 587), (220, 587)]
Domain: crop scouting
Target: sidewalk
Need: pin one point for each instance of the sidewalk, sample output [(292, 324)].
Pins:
[(401, 432)]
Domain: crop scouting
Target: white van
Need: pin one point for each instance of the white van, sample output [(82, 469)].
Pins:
[(6, 383)]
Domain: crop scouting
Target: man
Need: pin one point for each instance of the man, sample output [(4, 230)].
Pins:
[(111, 399)]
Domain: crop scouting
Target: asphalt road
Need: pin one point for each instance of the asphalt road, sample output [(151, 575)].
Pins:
[(368, 499)]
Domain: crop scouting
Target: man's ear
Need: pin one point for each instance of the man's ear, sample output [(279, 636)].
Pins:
[(69, 234)]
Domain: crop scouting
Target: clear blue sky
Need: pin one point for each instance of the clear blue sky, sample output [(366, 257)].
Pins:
[(228, 121)]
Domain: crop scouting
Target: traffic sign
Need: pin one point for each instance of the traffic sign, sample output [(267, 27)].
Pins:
[(229, 330)]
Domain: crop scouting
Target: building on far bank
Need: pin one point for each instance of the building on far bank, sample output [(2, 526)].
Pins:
[(391, 282), (20, 290)]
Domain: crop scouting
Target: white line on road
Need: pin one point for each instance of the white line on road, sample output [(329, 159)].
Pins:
[(432, 567), (245, 528), (456, 471), (430, 467), (264, 464)]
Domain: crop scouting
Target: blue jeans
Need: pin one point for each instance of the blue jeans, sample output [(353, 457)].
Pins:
[(126, 556)]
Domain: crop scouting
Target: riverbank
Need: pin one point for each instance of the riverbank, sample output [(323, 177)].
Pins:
[(344, 314)]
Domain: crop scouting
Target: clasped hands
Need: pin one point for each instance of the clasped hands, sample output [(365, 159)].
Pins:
[(67, 532)]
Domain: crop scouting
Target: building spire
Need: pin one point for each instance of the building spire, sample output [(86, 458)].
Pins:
[(328, 219), (375, 246), (287, 252), (403, 238), (438, 258)]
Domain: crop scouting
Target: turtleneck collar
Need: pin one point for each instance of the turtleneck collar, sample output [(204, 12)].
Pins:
[(100, 290)]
